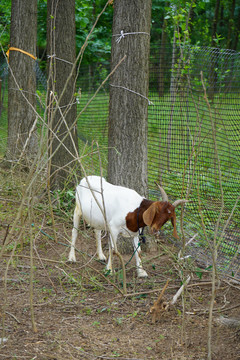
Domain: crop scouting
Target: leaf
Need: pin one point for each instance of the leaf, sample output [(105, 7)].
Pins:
[(199, 274)]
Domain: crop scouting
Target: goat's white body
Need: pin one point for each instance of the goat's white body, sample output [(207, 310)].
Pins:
[(104, 207)]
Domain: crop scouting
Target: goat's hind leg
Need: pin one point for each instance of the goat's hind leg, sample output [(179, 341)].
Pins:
[(100, 253), (76, 220), (111, 243)]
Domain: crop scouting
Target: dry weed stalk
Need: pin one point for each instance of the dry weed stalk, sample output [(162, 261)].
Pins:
[(160, 306), (217, 239)]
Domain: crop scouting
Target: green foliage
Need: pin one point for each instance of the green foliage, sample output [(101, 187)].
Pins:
[(189, 20), (42, 26), (194, 20), (64, 200), (5, 15), (99, 44)]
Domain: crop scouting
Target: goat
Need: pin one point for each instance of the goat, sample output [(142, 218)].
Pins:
[(120, 210)]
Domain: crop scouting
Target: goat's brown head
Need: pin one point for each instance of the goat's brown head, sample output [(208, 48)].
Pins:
[(160, 212)]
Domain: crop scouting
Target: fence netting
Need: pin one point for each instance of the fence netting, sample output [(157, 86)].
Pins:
[(193, 143)]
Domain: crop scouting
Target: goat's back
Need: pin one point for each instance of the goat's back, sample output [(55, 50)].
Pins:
[(118, 202)]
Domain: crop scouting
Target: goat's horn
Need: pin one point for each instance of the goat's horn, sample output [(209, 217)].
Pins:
[(163, 193), (178, 202)]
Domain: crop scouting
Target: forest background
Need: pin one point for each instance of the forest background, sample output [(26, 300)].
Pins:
[(211, 23)]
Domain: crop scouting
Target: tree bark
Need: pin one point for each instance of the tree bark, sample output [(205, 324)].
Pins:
[(62, 108), (22, 81), (213, 64), (236, 32), (127, 157), (231, 25)]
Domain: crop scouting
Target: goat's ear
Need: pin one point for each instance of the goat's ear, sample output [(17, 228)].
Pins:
[(173, 220), (149, 214)]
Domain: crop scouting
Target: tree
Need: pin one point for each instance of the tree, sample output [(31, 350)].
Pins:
[(214, 57), (63, 142), (22, 139), (127, 157)]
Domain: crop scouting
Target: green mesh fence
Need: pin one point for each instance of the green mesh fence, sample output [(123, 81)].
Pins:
[(93, 121), (193, 143)]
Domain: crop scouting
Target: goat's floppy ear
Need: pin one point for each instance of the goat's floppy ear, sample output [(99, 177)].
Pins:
[(149, 214), (173, 220)]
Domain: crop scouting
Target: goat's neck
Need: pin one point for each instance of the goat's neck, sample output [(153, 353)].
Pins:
[(134, 219)]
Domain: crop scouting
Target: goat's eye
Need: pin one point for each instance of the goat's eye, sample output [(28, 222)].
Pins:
[(169, 211)]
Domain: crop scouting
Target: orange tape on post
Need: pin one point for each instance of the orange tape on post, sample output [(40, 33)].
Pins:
[(20, 50)]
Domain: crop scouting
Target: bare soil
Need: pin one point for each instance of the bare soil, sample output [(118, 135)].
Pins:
[(80, 313)]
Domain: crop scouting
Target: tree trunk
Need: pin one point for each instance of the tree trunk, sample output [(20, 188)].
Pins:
[(213, 64), (127, 157), (231, 25), (215, 22), (22, 81), (62, 108), (236, 32)]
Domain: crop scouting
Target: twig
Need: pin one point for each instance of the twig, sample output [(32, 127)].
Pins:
[(178, 293), (35, 258), (6, 234), (215, 245), (14, 317), (31, 279), (39, 258)]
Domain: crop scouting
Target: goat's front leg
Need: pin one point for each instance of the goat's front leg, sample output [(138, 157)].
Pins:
[(76, 219), (100, 253), (140, 271)]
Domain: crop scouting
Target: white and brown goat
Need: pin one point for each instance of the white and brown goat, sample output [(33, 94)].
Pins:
[(120, 211)]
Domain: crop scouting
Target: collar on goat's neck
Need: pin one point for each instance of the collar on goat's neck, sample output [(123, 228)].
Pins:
[(140, 233)]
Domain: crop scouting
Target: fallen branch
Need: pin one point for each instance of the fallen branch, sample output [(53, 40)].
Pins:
[(178, 293), (13, 316), (229, 322)]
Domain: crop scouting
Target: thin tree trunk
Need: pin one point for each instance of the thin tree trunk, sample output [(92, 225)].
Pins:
[(237, 31), (62, 108), (230, 25), (128, 108), (213, 65), (22, 81)]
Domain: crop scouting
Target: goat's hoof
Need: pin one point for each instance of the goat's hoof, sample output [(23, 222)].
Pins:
[(142, 273), (102, 258), (72, 258)]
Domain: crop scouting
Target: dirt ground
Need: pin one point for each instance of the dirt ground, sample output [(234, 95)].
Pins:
[(80, 313)]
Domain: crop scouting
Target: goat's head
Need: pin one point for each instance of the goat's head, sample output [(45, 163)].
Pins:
[(160, 212)]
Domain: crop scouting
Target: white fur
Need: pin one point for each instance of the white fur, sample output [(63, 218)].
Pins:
[(118, 202)]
